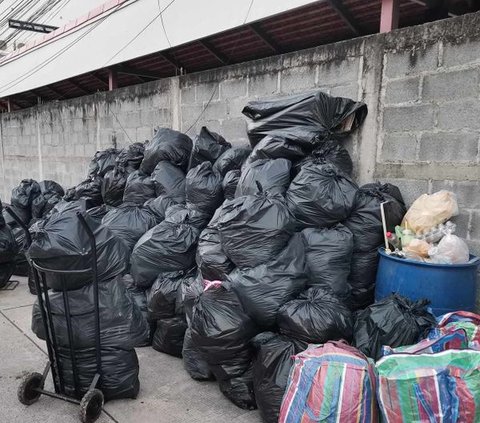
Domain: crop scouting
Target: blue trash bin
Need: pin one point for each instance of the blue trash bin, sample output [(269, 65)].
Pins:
[(449, 287)]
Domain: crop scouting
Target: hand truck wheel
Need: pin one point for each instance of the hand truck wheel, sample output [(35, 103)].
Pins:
[(27, 391), (91, 406)]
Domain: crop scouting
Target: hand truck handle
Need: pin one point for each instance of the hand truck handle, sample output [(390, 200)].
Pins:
[(15, 217)]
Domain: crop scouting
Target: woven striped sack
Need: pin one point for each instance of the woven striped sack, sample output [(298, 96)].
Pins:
[(331, 383), (466, 320), (430, 388)]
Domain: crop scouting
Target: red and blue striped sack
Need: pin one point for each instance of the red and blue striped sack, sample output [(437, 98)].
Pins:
[(330, 383)]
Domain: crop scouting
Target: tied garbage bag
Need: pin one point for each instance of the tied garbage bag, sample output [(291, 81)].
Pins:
[(166, 247), (440, 387), (395, 321), (113, 187), (328, 151), (169, 180), (179, 213), (239, 390), (273, 176), (316, 316), (191, 289), (122, 324), (222, 331), (428, 211), (119, 372), (208, 146), (203, 188), (61, 243), (130, 158), (255, 228), (262, 290), (102, 162), (193, 360), (278, 147), (450, 250), (98, 212), (168, 337), (362, 278), (129, 222), (304, 116), (271, 367), (162, 295), (140, 299), (139, 188), (158, 206), (328, 253), (365, 221), (51, 194), (22, 198), (229, 183), (90, 190), (169, 145), (330, 382), (232, 159), (320, 195)]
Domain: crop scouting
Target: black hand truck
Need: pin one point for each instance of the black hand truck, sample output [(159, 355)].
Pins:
[(32, 386)]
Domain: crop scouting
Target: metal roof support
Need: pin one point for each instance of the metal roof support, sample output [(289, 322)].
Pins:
[(98, 78), (390, 15), (79, 87), (260, 33), (54, 91), (112, 79), (220, 57), (128, 70), (343, 12), (169, 58)]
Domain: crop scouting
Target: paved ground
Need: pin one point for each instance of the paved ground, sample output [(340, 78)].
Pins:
[(167, 394)]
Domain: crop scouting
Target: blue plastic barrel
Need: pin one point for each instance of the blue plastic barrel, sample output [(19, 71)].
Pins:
[(449, 287)]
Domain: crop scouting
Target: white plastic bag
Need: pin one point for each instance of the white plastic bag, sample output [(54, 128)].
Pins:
[(450, 250)]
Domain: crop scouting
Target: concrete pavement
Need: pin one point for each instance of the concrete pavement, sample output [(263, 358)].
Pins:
[(167, 394)]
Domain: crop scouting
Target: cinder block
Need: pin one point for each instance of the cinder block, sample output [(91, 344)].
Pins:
[(205, 92), (213, 125), (233, 88), (411, 189), (411, 62), (402, 90), (475, 226), (338, 72), (451, 85), (215, 110), (187, 95), (144, 133), (347, 91), (467, 192), (408, 118), (263, 85), (132, 120), (462, 221), (235, 106), (459, 115), (190, 114), (399, 147), (449, 147), (297, 79), (461, 54), (235, 131)]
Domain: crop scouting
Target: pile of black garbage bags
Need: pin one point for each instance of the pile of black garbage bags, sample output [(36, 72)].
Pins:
[(232, 257)]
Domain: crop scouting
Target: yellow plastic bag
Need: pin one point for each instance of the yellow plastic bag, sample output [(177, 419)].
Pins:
[(428, 211)]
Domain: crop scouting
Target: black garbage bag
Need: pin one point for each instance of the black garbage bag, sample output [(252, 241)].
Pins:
[(166, 247), (158, 206), (113, 187), (208, 146), (90, 191), (321, 196), (365, 222), (229, 184), (394, 321), (22, 198), (180, 213), (169, 180), (191, 289), (239, 390), (203, 188), (61, 243), (232, 159), (162, 295), (271, 368), (139, 297), (8, 244), (130, 158), (6, 272), (69, 194), (119, 372), (328, 151), (316, 316), (21, 263), (139, 188), (99, 212), (362, 278), (193, 360), (279, 147), (102, 162), (272, 174), (129, 222), (254, 228), (328, 257), (122, 324), (169, 145), (168, 337), (51, 194), (222, 331), (262, 290), (305, 116)]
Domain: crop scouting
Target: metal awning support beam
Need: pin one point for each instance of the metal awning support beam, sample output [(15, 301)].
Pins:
[(426, 3), (128, 70), (267, 40), (31, 26), (390, 15), (343, 12), (220, 57), (112, 79), (99, 78), (54, 91), (169, 58), (78, 86)]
